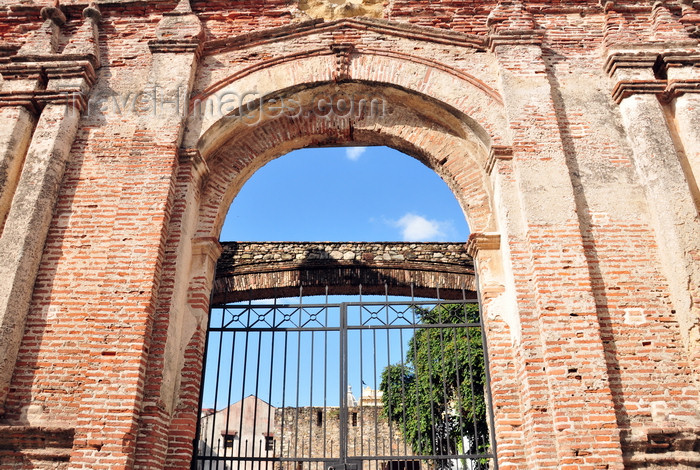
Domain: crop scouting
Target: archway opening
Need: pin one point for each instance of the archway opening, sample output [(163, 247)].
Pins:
[(341, 194), (371, 194)]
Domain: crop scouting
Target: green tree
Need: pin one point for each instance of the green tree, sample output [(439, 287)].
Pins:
[(436, 396)]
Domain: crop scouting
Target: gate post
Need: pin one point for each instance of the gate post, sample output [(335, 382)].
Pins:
[(501, 330)]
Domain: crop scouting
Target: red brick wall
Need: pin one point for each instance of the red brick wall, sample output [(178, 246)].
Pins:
[(112, 349)]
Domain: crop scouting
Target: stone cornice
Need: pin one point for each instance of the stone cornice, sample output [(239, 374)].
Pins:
[(483, 241), (680, 59), (629, 59), (651, 55), (174, 46), (625, 88), (192, 157), (678, 87), (208, 247), (646, 60), (498, 152), (36, 100), (665, 89), (45, 69), (50, 67)]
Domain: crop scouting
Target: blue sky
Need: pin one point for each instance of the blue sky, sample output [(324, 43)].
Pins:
[(345, 194)]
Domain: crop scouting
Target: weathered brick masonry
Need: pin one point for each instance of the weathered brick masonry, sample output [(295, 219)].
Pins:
[(568, 132)]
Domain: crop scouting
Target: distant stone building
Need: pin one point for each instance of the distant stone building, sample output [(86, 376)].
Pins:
[(306, 432), (244, 429)]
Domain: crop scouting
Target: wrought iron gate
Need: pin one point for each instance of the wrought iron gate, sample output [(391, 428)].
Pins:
[(390, 385)]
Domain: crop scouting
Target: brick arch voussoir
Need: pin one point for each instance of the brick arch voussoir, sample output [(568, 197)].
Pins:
[(479, 103), (460, 162)]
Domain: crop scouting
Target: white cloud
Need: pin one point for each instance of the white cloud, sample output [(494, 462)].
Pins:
[(353, 153), (415, 228)]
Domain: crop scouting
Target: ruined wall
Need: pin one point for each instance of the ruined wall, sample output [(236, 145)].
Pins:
[(567, 132), (368, 433), (300, 432)]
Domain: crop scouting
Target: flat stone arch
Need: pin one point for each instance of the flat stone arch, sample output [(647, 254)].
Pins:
[(264, 270)]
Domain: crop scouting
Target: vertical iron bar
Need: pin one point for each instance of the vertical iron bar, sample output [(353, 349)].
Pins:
[(362, 410), (245, 464), (343, 383), (471, 377), (230, 388), (415, 363), (388, 359), (216, 384), (284, 391), (460, 397), (325, 376), (296, 412), (272, 367), (259, 458), (245, 374), (430, 387), (376, 426), (471, 383), (311, 395), (403, 392), (446, 422), (257, 391)]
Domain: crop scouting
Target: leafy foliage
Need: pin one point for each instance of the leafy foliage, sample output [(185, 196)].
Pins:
[(436, 396)]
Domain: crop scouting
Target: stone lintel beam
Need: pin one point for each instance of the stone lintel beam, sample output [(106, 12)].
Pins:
[(279, 269)]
